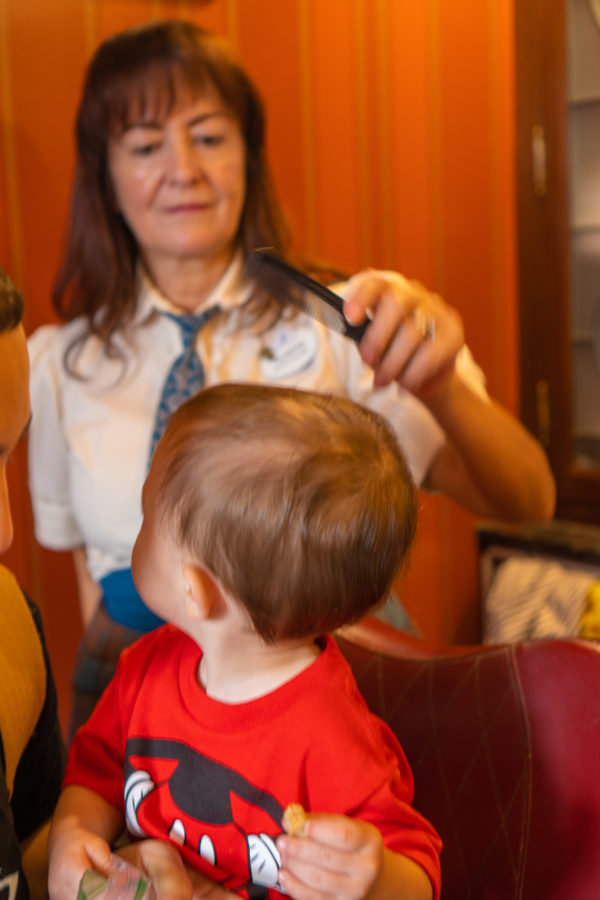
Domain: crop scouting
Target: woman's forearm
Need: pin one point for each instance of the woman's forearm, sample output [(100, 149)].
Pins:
[(88, 589), (491, 464)]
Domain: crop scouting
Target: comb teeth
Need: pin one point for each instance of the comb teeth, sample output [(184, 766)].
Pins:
[(323, 313), (290, 285)]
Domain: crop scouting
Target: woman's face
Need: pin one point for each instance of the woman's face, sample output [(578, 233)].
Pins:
[(180, 182)]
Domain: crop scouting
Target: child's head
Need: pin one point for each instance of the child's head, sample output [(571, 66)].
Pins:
[(300, 504)]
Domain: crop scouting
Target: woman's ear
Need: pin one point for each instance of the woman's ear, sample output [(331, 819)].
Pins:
[(202, 593)]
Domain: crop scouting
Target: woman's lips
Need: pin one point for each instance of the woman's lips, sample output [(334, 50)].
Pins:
[(188, 208)]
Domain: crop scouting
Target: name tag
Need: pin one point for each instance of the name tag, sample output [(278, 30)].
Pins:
[(288, 351)]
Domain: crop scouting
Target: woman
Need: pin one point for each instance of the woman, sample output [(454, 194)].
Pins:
[(171, 194)]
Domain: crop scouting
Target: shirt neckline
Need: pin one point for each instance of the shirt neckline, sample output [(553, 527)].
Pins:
[(230, 292), (261, 711)]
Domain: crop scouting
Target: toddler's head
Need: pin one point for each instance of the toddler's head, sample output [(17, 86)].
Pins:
[(299, 503)]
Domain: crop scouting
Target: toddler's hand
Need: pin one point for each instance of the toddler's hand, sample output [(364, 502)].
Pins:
[(171, 878), (73, 851), (336, 856)]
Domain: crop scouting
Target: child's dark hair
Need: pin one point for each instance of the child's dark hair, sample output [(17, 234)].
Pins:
[(11, 303), (301, 504)]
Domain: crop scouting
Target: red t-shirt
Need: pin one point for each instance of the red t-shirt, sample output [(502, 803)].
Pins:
[(215, 778)]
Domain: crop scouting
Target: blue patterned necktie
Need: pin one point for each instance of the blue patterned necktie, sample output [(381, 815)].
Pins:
[(186, 375)]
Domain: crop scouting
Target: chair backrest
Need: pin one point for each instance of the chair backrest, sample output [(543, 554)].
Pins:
[(504, 744)]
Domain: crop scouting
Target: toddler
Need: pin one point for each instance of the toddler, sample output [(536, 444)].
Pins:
[(271, 517)]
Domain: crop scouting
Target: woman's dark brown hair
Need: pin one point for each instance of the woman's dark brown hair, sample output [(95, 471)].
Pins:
[(11, 303), (139, 69)]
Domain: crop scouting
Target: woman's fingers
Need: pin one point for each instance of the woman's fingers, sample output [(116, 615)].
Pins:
[(413, 337)]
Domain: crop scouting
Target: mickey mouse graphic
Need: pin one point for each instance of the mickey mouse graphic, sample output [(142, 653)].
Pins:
[(207, 808)]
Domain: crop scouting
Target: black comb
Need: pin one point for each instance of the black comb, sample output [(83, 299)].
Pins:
[(289, 285)]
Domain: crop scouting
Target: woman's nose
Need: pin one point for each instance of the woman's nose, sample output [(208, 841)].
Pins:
[(6, 522), (185, 164)]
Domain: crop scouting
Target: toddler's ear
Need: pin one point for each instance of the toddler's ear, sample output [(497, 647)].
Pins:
[(202, 593)]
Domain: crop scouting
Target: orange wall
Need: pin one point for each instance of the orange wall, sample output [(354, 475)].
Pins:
[(391, 139)]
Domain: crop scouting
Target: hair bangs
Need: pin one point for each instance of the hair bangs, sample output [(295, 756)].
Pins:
[(150, 94)]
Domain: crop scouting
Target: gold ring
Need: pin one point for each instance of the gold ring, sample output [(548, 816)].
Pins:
[(424, 323)]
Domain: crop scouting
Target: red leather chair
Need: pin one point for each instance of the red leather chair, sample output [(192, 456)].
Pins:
[(504, 743)]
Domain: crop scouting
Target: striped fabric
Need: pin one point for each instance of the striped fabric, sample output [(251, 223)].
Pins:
[(535, 597)]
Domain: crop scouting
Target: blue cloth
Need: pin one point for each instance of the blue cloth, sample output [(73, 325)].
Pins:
[(186, 376), (123, 603), (394, 613)]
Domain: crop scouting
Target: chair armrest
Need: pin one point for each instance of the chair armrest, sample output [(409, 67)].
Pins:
[(372, 634)]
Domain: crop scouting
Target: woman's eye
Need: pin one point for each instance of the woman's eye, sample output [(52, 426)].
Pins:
[(145, 149), (209, 140)]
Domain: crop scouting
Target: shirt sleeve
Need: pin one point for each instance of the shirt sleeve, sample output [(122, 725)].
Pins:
[(97, 753), (371, 778), (387, 802), (418, 432), (95, 759), (471, 373), (404, 830), (55, 523)]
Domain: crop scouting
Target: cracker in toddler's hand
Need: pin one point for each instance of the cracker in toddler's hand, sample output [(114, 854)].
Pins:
[(294, 819)]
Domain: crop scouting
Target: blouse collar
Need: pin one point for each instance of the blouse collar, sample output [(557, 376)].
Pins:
[(230, 292)]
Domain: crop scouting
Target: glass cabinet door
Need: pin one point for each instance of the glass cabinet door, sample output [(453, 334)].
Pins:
[(557, 98), (583, 124)]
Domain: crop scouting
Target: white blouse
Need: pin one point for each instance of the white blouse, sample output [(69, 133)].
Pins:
[(90, 435)]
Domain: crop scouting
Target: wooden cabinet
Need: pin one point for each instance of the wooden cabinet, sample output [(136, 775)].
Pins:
[(558, 208)]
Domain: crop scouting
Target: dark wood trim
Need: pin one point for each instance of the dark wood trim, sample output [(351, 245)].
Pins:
[(543, 260)]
